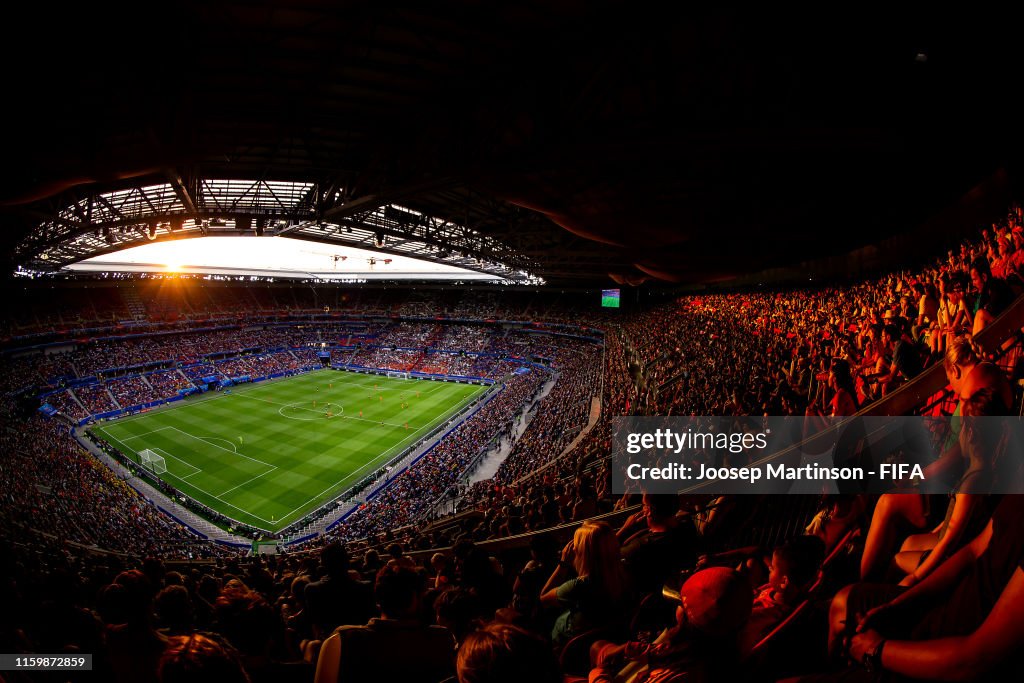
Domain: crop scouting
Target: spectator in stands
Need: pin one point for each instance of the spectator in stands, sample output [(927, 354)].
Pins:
[(844, 392), (133, 645), (660, 550), (444, 573), (969, 507), (838, 514), (794, 568), (174, 611), (993, 296), (599, 594), (200, 658), (927, 308), (371, 563), (906, 358), (394, 647), (294, 612), (959, 623), (502, 653), (458, 610), (713, 604), (252, 627), (952, 317), (337, 598), (397, 557), (481, 574), (968, 372), (528, 584)]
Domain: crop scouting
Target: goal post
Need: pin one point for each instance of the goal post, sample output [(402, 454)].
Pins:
[(397, 375), (152, 462)]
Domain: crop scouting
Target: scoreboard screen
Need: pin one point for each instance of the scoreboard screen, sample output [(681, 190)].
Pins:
[(610, 298)]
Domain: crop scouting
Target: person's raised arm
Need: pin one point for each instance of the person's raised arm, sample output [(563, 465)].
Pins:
[(631, 525), (549, 593), (962, 317)]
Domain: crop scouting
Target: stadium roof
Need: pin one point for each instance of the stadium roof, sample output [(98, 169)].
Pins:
[(567, 140)]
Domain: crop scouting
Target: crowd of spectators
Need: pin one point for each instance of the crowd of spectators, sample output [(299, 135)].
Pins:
[(132, 391), (95, 398), (663, 594), (305, 357), (773, 352), (465, 338), (343, 356), (64, 402), (74, 308), (263, 365), (826, 351), (418, 307), (168, 383), (184, 359), (53, 366), (485, 366), (561, 416), (456, 364), (198, 371), (146, 302), (52, 487), (93, 359), (482, 305), (656, 595), (105, 357), (408, 335), (387, 358)]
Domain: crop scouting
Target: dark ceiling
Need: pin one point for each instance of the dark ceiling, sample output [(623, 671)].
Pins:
[(688, 143)]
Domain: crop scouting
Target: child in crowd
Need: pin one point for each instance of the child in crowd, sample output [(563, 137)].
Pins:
[(794, 569)]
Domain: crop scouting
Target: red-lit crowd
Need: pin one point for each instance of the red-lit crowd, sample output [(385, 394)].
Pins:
[(905, 586)]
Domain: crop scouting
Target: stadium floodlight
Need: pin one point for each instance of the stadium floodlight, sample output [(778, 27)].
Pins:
[(152, 462)]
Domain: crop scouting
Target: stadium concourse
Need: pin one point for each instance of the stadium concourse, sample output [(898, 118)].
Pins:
[(540, 571)]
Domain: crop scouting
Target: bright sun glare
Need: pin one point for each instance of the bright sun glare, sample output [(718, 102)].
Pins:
[(275, 256)]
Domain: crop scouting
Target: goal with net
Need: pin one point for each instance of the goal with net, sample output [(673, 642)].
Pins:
[(398, 375), (152, 462)]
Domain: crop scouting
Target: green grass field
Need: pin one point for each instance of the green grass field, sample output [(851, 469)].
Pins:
[(264, 455)]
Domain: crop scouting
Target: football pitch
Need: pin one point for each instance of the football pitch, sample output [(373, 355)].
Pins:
[(267, 454)]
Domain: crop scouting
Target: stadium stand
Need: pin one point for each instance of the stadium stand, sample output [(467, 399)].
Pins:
[(824, 351), (495, 549)]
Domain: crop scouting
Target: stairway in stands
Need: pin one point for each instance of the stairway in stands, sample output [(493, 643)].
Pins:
[(169, 505), (73, 397), (318, 527)]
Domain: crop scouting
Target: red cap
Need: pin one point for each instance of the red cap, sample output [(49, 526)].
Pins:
[(717, 600)]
